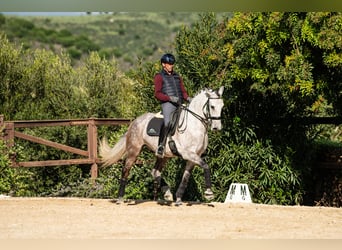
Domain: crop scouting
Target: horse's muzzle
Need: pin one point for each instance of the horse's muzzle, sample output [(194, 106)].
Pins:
[(216, 125)]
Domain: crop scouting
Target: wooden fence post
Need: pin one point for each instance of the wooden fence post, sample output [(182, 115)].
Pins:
[(7, 134), (92, 147)]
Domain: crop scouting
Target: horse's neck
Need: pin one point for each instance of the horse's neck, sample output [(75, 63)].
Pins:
[(197, 104), (194, 118)]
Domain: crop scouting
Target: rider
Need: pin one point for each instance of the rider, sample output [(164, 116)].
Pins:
[(170, 91)]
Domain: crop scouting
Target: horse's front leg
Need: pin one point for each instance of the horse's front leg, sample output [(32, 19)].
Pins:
[(208, 193)]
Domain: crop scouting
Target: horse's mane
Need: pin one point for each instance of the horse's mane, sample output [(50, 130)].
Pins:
[(203, 90), (200, 91)]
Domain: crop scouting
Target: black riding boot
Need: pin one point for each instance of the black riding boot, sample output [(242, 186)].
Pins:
[(162, 140)]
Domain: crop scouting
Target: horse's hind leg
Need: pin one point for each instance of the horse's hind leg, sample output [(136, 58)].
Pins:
[(157, 180), (131, 157), (184, 183)]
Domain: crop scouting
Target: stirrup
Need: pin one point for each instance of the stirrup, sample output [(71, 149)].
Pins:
[(160, 151)]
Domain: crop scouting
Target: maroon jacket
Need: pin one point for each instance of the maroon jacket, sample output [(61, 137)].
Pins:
[(158, 85)]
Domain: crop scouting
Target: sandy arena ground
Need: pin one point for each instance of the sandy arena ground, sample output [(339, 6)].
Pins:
[(78, 218)]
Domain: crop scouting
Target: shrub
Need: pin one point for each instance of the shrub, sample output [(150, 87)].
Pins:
[(238, 156), (74, 53)]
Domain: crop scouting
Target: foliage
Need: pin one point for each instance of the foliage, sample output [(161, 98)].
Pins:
[(198, 59), (44, 81), (27, 32), (33, 83), (242, 158), (276, 69), (126, 36), (37, 84), (330, 192), (14, 182), (144, 88), (2, 19), (5, 185), (99, 84)]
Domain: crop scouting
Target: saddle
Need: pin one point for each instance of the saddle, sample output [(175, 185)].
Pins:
[(156, 124)]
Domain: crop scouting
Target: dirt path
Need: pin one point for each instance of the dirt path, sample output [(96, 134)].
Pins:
[(64, 218)]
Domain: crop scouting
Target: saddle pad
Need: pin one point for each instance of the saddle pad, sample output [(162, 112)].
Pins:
[(154, 126)]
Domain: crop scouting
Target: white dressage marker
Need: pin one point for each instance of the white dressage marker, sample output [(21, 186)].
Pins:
[(238, 192)]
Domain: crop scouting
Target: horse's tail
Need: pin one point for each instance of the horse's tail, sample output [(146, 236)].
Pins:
[(112, 155)]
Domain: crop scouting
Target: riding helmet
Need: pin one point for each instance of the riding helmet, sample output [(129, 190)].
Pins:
[(168, 58)]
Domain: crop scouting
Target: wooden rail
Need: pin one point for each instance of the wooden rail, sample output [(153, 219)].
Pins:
[(91, 154)]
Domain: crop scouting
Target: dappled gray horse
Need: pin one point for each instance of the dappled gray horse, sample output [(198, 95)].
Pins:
[(190, 140)]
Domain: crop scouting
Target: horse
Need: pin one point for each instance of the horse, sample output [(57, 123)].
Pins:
[(190, 139)]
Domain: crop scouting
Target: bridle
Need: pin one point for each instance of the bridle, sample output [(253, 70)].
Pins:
[(207, 119), (206, 108)]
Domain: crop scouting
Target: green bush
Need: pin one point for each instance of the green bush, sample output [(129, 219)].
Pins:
[(74, 53), (84, 44), (5, 173), (2, 19), (45, 86), (14, 181), (237, 156), (66, 41)]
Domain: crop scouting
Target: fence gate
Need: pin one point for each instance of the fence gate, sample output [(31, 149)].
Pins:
[(90, 156)]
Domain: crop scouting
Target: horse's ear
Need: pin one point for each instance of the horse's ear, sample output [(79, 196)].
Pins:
[(220, 91)]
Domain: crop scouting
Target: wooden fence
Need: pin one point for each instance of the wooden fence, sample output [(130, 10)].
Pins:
[(90, 156)]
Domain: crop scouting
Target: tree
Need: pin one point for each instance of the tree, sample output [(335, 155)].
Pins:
[(283, 59), (276, 67), (37, 84), (103, 90)]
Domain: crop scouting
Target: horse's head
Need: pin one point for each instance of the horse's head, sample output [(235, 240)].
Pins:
[(213, 108), (207, 107)]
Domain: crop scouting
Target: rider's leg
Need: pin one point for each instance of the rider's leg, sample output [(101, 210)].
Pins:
[(162, 141), (167, 109)]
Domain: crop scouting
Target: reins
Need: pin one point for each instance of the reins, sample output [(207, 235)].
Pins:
[(204, 120), (207, 117)]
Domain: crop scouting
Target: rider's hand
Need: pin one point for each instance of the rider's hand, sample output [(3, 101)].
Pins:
[(174, 99)]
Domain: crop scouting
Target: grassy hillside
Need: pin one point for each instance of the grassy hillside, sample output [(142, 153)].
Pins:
[(128, 37)]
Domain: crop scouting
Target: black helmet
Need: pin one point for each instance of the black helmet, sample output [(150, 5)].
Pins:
[(168, 58)]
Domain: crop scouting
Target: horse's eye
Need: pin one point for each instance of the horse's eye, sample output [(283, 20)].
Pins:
[(212, 107)]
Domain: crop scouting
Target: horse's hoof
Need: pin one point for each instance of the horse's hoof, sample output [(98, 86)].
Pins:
[(208, 194), (168, 196), (119, 201), (178, 202)]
